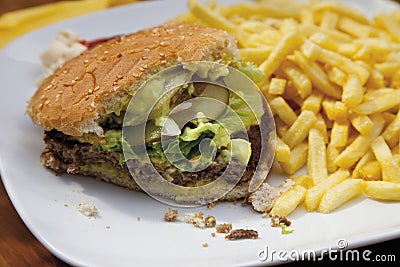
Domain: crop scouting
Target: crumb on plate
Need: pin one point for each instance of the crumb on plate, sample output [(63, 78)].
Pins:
[(88, 210), (170, 215), (224, 228), (242, 234)]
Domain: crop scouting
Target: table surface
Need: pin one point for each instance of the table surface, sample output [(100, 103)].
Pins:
[(18, 247)]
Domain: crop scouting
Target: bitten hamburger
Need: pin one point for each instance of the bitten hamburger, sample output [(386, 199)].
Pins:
[(83, 104)]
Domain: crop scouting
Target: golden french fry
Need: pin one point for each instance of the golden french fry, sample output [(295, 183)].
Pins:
[(320, 125), (302, 179), (310, 29), (341, 9), (277, 86), (313, 102), (316, 162), (214, 19), (362, 123), (368, 157), (352, 91), (392, 132), (332, 152), (282, 153), (337, 76), (316, 75), (389, 25), (390, 168), (340, 194), (315, 193), (371, 171), (284, 47), (255, 54), (354, 28), (360, 145), (329, 19), (340, 133), (281, 108), (267, 9), (382, 190), (339, 61), (299, 129), (379, 104), (288, 202), (299, 80), (298, 158)]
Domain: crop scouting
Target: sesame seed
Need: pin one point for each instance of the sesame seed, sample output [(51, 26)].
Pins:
[(90, 91), (144, 57), (163, 62), (161, 54), (47, 102), (135, 75), (86, 61), (105, 52), (60, 92), (164, 43), (119, 76), (97, 88)]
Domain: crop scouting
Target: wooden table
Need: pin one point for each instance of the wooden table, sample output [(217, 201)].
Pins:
[(18, 247)]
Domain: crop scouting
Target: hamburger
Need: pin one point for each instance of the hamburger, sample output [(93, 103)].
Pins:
[(84, 104)]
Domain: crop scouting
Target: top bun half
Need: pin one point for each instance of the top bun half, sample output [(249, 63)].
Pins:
[(101, 80)]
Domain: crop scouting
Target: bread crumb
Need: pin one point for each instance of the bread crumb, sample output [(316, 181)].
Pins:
[(242, 234), (196, 219), (138, 219), (108, 227), (224, 228), (171, 215), (88, 210), (65, 205), (277, 220), (205, 245), (213, 234), (210, 221)]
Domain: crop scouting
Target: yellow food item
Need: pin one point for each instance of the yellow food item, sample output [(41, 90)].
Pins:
[(338, 114)]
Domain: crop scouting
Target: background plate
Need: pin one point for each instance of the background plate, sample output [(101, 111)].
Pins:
[(117, 237)]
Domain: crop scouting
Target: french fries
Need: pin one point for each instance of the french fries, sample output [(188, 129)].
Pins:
[(289, 201), (382, 190), (339, 194), (332, 79)]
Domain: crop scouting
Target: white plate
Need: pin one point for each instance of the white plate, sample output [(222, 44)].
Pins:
[(39, 196)]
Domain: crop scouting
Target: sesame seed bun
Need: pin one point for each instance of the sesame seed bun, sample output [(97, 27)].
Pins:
[(101, 80)]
